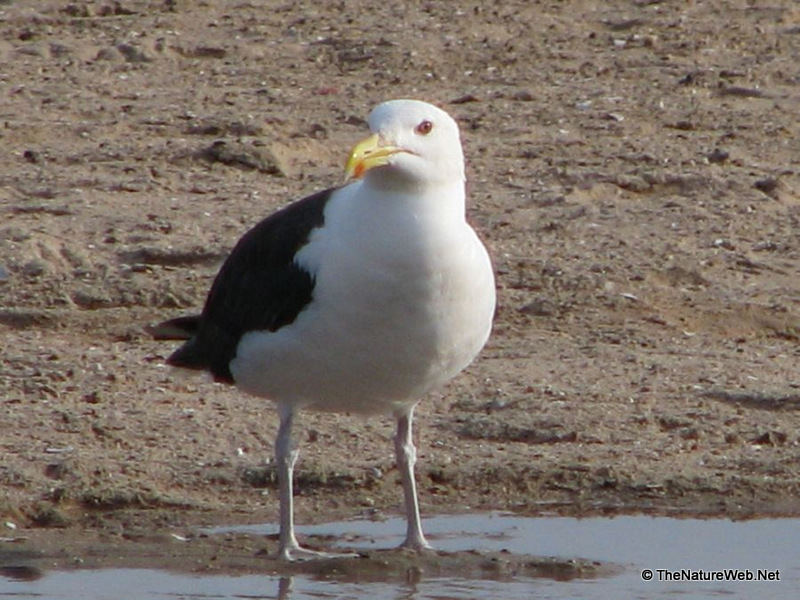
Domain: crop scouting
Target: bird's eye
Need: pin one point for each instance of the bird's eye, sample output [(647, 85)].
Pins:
[(424, 128)]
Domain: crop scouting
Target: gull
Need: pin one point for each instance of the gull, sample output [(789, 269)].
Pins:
[(361, 298)]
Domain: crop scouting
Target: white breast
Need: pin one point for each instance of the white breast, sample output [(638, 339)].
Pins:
[(403, 301)]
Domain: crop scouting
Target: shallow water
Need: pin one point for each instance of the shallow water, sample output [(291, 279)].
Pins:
[(635, 543)]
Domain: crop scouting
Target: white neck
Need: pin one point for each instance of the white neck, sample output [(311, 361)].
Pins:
[(444, 202)]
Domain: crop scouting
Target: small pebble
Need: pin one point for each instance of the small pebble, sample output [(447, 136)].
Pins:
[(718, 156), (768, 185)]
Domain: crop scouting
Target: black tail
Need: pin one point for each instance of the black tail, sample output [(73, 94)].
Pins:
[(197, 352)]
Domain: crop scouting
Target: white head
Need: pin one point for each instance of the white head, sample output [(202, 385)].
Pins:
[(414, 144)]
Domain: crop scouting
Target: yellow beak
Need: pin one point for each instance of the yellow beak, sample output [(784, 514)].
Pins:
[(368, 154)]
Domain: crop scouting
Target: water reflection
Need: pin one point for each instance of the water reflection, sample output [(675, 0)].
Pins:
[(638, 543), (285, 588)]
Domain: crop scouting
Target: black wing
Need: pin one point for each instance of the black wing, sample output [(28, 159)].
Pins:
[(259, 287)]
